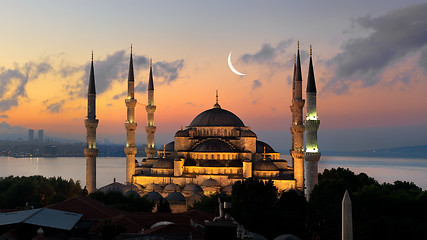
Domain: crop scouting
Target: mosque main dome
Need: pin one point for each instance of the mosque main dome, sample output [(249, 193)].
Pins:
[(216, 117)]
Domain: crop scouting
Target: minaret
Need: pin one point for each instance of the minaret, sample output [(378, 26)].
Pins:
[(312, 154), (297, 128), (346, 218), (130, 125), (91, 123), (150, 150)]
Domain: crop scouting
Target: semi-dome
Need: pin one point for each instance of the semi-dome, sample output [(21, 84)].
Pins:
[(170, 146), (213, 145), (163, 163), (260, 147), (216, 117), (265, 165)]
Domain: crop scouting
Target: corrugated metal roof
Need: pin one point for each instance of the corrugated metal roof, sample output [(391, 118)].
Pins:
[(42, 217)]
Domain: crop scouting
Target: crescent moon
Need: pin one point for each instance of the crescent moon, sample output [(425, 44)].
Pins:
[(230, 65)]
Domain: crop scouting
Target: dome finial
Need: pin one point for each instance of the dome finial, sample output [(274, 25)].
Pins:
[(164, 151), (264, 154), (216, 102)]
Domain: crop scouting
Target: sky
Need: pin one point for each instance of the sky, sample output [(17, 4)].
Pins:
[(370, 64)]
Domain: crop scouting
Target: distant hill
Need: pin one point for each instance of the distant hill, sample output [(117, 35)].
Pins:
[(398, 152)]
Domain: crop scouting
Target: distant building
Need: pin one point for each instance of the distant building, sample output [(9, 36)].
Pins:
[(40, 136), (30, 135)]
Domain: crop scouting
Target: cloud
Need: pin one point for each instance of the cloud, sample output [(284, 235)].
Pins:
[(392, 37), (256, 84), (141, 87), (268, 54), (115, 68), (55, 107), (422, 61), (4, 116), (13, 82), (168, 70)]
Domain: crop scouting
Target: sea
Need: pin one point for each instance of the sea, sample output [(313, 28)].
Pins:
[(108, 169)]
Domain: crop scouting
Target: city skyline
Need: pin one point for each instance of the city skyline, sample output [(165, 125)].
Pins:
[(370, 62)]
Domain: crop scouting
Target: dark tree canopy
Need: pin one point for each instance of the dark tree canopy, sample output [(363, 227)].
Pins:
[(131, 203), (36, 191)]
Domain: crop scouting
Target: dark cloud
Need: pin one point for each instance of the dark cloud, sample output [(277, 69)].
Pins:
[(4, 116), (256, 84), (268, 54), (392, 37), (55, 107), (13, 82), (120, 95)]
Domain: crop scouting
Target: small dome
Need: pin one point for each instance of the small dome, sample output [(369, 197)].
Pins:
[(216, 117), (210, 183), (172, 187), (227, 189), (192, 188), (265, 165), (182, 133), (260, 147), (154, 196), (153, 187), (213, 145), (163, 163), (176, 197)]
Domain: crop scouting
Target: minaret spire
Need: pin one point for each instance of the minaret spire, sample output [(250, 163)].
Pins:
[(312, 154), (297, 127), (150, 129), (91, 123), (216, 101), (130, 125)]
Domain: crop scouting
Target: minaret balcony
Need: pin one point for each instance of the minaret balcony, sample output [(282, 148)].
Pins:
[(130, 126), (91, 152), (130, 103), (312, 156), (150, 108)]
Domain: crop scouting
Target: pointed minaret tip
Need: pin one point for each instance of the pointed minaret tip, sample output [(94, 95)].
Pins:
[(91, 89), (131, 48), (150, 79), (298, 45), (311, 53)]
